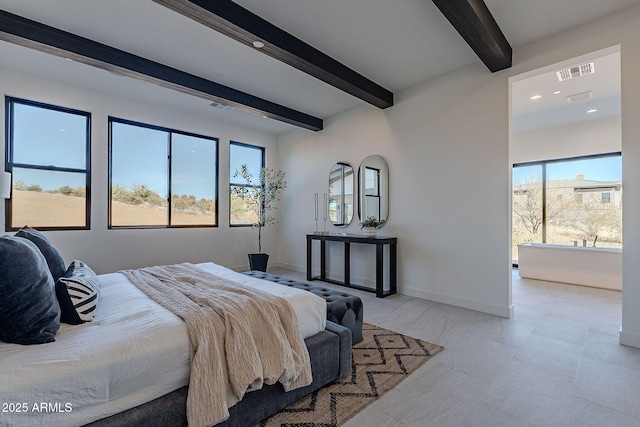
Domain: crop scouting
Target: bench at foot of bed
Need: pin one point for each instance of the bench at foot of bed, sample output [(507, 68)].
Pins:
[(344, 309)]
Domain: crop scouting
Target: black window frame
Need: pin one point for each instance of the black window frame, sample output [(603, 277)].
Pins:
[(10, 102), (170, 131), (262, 165)]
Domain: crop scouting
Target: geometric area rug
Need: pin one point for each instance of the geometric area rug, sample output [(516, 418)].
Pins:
[(380, 362)]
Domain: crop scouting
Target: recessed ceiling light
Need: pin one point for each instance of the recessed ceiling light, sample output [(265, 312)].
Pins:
[(593, 110), (558, 92), (258, 44), (535, 97)]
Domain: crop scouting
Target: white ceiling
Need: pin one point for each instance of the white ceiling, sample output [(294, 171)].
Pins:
[(397, 44), (598, 94)]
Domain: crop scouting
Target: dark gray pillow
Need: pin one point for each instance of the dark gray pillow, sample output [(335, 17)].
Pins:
[(29, 310), (51, 254)]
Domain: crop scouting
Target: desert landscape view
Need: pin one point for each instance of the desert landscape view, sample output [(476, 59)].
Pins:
[(54, 209)]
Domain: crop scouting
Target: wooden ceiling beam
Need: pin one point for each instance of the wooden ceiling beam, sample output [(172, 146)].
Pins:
[(473, 20), (25, 32), (240, 24)]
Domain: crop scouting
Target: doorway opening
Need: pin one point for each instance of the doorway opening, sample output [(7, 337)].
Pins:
[(566, 157)]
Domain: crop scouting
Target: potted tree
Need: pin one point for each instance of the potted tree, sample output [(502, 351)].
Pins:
[(261, 200)]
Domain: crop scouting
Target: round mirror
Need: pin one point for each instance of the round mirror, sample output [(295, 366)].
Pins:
[(341, 194), (373, 188)]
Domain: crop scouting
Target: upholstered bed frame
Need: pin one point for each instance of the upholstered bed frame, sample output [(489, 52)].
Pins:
[(330, 354)]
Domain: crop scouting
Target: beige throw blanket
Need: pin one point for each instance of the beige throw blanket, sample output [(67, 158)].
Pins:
[(240, 337)]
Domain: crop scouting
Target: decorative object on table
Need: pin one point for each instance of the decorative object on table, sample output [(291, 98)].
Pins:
[(370, 226), (380, 362), (316, 207), (325, 209), (324, 214), (261, 200)]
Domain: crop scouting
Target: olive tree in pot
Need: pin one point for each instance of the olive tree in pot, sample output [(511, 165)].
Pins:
[(260, 200)]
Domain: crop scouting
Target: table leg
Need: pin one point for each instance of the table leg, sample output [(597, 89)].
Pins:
[(393, 271), (323, 260), (309, 247), (347, 263), (379, 271)]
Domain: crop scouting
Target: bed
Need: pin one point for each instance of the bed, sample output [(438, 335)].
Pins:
[(131, 363)]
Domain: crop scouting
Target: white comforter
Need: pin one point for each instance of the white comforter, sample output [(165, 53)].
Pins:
[(133, 352)]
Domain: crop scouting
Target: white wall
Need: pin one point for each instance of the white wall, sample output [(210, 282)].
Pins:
[(110, 250), (447, 145), (573, 140), (449, 187)]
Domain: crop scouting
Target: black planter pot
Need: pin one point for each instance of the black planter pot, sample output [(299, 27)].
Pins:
[(258, 262)]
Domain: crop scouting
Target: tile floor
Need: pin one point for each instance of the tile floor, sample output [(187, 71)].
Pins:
[(556, 363)]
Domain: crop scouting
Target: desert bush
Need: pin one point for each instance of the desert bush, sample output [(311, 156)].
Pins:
[(66, 190)]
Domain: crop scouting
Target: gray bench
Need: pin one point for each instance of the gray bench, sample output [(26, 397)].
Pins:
[(344, 309)]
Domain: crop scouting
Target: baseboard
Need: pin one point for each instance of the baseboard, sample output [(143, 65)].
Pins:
[(239, 268), (291, 267), (245, 267), (496, 310), (482, 307), (333, 276), (632, 340)]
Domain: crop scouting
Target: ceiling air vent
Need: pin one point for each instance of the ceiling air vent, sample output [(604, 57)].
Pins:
[(577, 71), (579, 96), (221, 106)]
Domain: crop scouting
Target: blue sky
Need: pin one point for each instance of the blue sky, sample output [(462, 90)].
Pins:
[(139, 155), (58, 140), (602, 169)]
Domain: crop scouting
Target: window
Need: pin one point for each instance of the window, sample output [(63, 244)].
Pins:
[(253, 158), (161, 177), (568, 200), (48, 154)]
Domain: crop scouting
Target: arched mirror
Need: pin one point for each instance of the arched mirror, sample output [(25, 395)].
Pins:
[(341, 194), (373, 188)]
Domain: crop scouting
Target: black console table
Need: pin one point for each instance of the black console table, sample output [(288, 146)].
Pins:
[(352, 238)]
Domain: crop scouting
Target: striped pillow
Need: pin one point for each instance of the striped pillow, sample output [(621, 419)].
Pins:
[(78, 292)]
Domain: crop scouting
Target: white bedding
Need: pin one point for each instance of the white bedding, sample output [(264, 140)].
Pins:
[(132, 352)]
